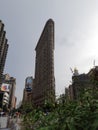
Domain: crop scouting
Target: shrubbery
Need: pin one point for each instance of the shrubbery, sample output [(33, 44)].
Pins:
[(80, 114)]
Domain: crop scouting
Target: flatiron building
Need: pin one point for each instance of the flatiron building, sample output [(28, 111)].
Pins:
[(44, 82)]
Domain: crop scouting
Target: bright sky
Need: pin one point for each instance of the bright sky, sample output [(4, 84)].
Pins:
[(76, 37)]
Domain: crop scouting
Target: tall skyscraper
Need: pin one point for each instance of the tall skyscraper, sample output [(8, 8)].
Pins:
[(3, 49), (44, 82)]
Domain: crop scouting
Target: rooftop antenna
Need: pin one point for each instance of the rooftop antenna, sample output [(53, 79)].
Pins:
[(94, 63), (71, 70)]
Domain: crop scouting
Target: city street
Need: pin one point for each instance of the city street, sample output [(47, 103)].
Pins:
[(3, 122)]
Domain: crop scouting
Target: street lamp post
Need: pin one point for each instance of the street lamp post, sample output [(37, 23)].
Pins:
[(0, 118)]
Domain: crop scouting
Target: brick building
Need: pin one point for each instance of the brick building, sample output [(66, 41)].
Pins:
[(12, 84), (81, 82)]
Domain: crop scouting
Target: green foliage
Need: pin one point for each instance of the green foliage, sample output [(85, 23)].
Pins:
[(70, 115)]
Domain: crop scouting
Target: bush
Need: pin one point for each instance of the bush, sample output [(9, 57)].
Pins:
[(70, 115)]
